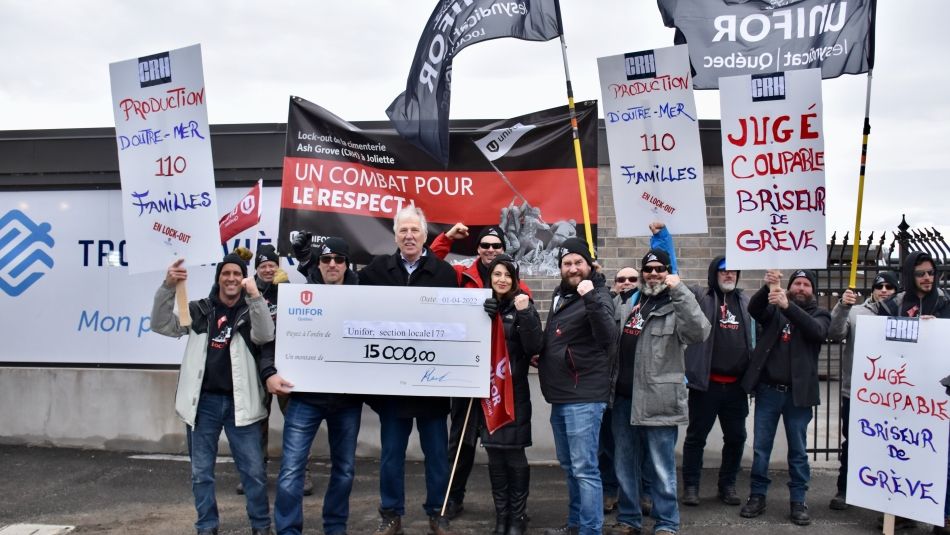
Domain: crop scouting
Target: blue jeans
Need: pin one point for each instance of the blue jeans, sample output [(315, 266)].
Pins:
[(394, 438), (576, 429), (770, 404), (658, 444), (216, 412), (301, 422)]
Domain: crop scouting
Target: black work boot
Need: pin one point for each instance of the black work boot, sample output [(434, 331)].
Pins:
[(728, 496), (754, 507), (389, 524), (798, 513), (690, 495)]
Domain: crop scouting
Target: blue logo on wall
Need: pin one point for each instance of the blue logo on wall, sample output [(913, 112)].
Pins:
[(23, 245)]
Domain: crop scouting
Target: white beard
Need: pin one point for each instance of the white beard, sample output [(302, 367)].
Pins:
[(727, 287), (653, 288)]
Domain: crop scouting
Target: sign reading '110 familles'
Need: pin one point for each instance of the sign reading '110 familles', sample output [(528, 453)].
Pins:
[(774, 170), (656, 163), (161, 122)]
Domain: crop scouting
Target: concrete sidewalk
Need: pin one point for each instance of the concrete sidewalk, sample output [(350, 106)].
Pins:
[(110, 492)]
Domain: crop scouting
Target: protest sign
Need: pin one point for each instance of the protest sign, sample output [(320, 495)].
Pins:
[(341, 181), (161, 121), (731, 38), (656, 162), (413, 341), (774, 170), (897, 440)]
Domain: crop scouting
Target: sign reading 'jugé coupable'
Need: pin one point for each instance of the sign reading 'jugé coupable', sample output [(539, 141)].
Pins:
[(774, 170), (897, 440), (731, 37), (161, 120), (656, 163), (412, 342)]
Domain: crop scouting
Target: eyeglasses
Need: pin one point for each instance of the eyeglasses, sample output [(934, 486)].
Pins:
[(486, 245), (653, 269), (331, 258), (924, 272), (621, 280), (883, 286)]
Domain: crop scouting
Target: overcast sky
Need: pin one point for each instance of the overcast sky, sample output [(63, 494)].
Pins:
[(352, 57)]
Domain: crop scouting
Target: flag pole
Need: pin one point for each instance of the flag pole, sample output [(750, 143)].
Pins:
[(853, 279), (458, 452), (576, 134), (852, 282)]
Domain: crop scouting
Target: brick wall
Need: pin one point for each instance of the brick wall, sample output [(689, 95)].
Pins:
[(693, 251)]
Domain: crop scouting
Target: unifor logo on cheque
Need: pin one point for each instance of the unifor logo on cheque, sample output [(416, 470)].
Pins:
[(24, 247)]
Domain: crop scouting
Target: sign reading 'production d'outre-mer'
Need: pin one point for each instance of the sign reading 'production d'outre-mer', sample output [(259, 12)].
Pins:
[(168, 197), (656, 163)]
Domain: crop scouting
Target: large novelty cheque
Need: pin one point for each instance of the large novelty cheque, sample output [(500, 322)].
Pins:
[(897, 440), (412, 341), (656, 163), (168, 198), (773, 160)]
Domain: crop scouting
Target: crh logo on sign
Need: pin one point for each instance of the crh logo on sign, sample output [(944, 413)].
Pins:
[(155, 70), (639, 65), (23, 245), (768, 87), (306, 297)]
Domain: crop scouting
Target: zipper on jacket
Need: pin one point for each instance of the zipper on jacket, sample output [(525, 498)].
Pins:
[(573, 366)]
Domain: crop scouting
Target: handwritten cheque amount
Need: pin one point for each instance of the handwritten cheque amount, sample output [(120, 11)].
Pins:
[(384, 340)]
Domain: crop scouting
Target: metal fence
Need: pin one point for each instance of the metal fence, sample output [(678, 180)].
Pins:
[(876, 253)]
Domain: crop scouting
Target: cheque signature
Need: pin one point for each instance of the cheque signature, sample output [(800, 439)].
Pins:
[(430, 376)]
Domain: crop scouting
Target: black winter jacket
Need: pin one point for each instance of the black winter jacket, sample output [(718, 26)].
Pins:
[(810, 328), (523, 334), (577, 364), (699, 357), (431, 272)]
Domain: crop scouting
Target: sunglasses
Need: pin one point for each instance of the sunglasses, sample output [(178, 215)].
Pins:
[(924, 272), (621, 280), (335, 259), (883, 286), (486, 245), (653, 269)]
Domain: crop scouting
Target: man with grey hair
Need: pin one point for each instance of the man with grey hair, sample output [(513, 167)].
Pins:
[(413, 264)]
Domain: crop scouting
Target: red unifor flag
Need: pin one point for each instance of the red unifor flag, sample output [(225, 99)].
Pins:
[(245, 215), (499, 407)]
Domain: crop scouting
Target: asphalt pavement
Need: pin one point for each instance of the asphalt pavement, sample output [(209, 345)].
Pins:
[(121, 492)]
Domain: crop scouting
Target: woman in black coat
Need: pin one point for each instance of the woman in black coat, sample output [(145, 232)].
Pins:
[(507, 463)]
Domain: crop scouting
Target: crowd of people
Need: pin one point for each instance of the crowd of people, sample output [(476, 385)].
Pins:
[(622, 369)]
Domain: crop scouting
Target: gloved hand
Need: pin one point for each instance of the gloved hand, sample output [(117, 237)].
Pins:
[(491, 307), (301, 246), (598, 279)]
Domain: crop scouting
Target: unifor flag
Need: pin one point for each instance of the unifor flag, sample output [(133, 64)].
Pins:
[(735, 37), (499, 406), (421, 113), (245, 215)]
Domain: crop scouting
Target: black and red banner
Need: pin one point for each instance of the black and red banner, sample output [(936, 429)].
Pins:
[(339, 180)]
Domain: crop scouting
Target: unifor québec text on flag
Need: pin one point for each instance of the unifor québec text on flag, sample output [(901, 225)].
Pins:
[(736, 37), (421, 113)]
